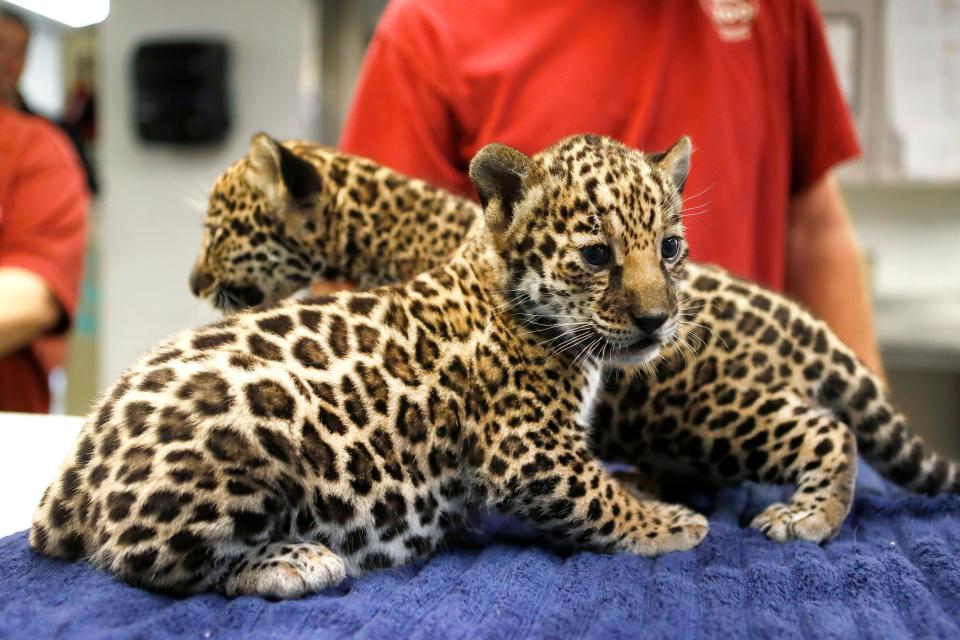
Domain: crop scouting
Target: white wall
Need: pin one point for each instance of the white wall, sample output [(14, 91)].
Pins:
[(153, 195), (912, 236)]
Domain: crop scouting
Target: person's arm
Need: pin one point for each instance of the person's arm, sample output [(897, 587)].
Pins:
[(41, 236), (28, 309), (825, 268)]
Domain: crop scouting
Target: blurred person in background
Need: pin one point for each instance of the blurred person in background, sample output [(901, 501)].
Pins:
[(14, 40), (14, 43), (43, 206), (750, 81)]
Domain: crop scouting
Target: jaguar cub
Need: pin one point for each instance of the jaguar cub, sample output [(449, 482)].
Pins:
[(752, 387), (285, 447), (342, 216)]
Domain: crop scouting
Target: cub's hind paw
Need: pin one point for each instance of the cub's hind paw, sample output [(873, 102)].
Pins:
[(670, 527), (785, 522), (285, 570)]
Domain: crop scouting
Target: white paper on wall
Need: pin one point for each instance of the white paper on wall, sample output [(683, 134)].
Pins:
[(923, 85)]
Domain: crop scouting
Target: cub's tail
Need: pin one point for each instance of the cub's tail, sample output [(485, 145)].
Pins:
[(860, 399)]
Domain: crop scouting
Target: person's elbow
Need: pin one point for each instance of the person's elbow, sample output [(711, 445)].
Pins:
[(31, 309), (45, 312)]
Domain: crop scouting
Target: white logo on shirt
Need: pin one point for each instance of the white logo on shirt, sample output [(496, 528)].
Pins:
[(733, 19)]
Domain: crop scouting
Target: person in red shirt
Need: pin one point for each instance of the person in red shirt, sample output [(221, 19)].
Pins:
[(14, 43), (43, 204), (749, 80)]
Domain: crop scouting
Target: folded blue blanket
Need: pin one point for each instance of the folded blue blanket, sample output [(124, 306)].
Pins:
[(893, 572)]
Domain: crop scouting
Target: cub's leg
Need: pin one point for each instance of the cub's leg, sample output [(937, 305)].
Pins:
[(819, 456), (284, 570), (728, 433), (775, 438), (574, 500)]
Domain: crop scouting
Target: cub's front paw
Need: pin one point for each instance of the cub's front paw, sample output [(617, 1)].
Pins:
[(785, 522), (285, 570)]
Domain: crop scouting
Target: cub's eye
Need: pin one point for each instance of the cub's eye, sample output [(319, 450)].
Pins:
[(670, 248), (596, 255)]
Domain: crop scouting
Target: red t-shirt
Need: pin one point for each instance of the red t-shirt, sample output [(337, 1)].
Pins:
[(750, 81), (43, 204)]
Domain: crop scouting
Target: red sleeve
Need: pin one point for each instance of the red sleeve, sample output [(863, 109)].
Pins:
[(823, 133), (44, 220), (403, 110)]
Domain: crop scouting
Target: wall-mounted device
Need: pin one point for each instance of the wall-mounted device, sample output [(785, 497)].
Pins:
[(180, 91)]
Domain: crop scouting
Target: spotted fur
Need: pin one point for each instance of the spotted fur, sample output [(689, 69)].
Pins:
[(285, 447), (753, 387)]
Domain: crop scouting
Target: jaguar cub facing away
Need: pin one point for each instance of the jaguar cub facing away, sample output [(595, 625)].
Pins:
[(341, 216), (285, 447), (751, 388)]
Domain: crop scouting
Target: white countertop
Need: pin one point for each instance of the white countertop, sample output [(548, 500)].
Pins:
[(32, 447)]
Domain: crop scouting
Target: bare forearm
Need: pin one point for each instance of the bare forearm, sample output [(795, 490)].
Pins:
[(825, 269), (27, 309)]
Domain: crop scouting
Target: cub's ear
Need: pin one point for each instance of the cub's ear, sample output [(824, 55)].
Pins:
[(282, 176), (675, 162), (498, 173)]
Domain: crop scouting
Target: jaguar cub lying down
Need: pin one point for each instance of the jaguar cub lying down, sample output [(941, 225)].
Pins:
[(750, 388), (279, 450)]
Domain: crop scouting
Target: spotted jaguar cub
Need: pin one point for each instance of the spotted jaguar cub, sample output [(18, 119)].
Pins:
[(335, 210), (286, 447), (751, 388)]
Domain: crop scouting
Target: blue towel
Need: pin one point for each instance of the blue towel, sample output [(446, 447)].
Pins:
[(893, 572)]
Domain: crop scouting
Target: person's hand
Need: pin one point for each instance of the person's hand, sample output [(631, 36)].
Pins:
[(326, 287)]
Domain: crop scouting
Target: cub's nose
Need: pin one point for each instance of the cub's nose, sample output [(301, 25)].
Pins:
[(200, 282), (649, 323)]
